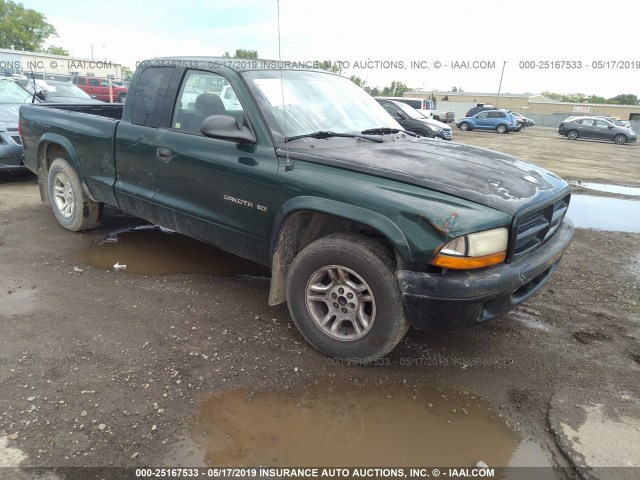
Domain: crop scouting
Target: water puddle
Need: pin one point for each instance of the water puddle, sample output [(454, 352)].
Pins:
[(604, 213), (352, 426), (606, 187), (155, 251)]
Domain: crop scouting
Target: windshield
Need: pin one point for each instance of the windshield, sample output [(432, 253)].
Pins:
[(63, 90), (300, 102), (10, 92), (410, 111)]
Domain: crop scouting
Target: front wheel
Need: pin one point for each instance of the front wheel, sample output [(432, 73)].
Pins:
[(71, 205), (620, 139), (344, 299)]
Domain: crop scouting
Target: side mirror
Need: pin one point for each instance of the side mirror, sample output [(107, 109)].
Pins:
[(225, 127), (93, 95), (40, 94), (400, 114)]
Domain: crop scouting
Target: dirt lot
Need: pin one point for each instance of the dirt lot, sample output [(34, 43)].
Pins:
[(103, 368), (592, 160)]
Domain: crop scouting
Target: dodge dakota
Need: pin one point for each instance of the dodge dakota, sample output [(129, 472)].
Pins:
[(367, 229)]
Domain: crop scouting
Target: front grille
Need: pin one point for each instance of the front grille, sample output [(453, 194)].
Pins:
[(533, 227)]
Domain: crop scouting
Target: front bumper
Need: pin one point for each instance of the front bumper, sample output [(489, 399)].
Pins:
[(444, 135), (11, 157), (461, 299)]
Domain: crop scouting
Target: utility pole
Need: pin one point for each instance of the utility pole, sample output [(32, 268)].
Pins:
[(500, 86)]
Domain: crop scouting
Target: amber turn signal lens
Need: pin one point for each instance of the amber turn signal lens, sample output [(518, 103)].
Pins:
[(467, 263)]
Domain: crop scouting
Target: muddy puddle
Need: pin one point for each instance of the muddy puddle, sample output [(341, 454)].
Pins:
[(604, 213), (609, 188), (352, 426), (152, 250)]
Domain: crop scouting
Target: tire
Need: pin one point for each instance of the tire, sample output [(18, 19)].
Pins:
[(71, 205), (464, 126), (573, 134), (121, 97), (350, 276), (502, 129), (620, 139)]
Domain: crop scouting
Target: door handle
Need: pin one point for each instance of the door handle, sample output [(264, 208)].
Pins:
[(164, 154)]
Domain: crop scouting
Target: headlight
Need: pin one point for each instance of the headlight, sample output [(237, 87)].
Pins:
[(475, 250), (436, 129)]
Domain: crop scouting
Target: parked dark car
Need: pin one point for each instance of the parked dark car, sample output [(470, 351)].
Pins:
[(596, 128), (414, 121), (12, 96), (502, 121), (480, 108), (53, 91)]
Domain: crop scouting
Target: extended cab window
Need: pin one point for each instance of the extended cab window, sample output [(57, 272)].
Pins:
[(201, 95), (148, 96)]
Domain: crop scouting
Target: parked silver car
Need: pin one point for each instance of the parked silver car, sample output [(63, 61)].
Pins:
[(596, 128)]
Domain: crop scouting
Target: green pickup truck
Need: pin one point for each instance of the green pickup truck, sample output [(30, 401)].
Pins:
[(367, 228)]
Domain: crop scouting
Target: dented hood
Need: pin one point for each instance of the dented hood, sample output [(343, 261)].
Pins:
[(487, 177)]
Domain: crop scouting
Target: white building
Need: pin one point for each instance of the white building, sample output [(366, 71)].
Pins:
[(55, 67)]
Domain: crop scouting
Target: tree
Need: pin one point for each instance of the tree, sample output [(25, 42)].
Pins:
[(624, 99), (23, 28), (396, 89), (53, 50), (242, 53), (328, 65), (126, 73)]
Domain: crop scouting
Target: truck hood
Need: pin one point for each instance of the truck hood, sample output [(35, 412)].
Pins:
[(487, 177), (9, 115)]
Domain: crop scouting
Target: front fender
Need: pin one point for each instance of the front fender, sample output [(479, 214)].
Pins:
[(372, 219)]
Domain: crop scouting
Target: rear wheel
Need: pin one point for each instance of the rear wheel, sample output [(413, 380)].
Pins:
[(572, 135), (464, 126), (620, 139), (502, 129), (121, 97), (71, 205), (343, 297)]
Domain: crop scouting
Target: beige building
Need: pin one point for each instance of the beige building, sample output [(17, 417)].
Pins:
[(55, 67), (530, 104)]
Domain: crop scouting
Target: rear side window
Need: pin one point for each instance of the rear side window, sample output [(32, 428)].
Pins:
[(148, 96), (496, 115), (417, 104)]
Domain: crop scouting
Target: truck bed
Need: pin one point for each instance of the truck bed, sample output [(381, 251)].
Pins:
[(90, 128)]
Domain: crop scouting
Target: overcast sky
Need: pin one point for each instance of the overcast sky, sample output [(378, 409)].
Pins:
[(350, 31)]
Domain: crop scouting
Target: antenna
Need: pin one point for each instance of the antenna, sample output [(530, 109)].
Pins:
[(287, 166), (33, 77)]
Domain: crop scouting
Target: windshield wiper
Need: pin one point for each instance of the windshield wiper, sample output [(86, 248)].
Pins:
[(385, 131), (322, 134)]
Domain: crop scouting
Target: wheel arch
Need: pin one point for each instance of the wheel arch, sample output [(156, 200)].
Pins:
[(50, 147), (303, 220)]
